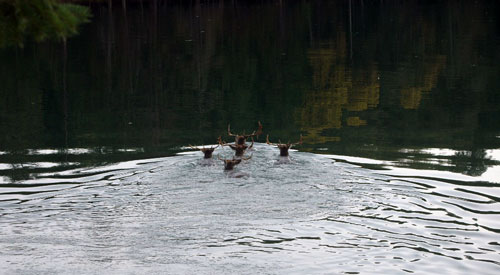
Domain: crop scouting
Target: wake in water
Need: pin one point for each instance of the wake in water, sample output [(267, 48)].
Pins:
[(305, 213)]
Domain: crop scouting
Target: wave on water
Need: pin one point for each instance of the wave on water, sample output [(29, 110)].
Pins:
[(308, 213)]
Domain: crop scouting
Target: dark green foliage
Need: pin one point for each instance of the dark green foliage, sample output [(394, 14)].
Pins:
[(22, 20)]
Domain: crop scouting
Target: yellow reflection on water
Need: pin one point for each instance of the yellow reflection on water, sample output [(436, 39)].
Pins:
[(334, 90), (412, 96), (336, 87)]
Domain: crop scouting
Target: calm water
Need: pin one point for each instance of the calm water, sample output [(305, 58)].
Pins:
[(398, 103)]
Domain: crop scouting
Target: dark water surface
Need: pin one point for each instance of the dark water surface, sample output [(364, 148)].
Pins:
[(398, 104)]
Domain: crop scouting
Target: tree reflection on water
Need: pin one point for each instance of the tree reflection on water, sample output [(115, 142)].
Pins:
[(395, 76)]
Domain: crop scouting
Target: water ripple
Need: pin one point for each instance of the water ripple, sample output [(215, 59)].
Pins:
[(179, 212)]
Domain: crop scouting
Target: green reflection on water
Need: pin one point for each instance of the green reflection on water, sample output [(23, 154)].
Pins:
[(392, 77)]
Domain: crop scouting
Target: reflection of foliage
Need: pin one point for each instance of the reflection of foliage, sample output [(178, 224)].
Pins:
[(39, 20), (139, 79), (472, 163), (355, 121), (365, 92), (334, 89), (411, 96), (331, 83)]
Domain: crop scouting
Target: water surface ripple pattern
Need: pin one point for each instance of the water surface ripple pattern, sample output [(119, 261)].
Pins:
[(308, 215)]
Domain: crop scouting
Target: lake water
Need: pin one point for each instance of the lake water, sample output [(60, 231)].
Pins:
[(399, 172)]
